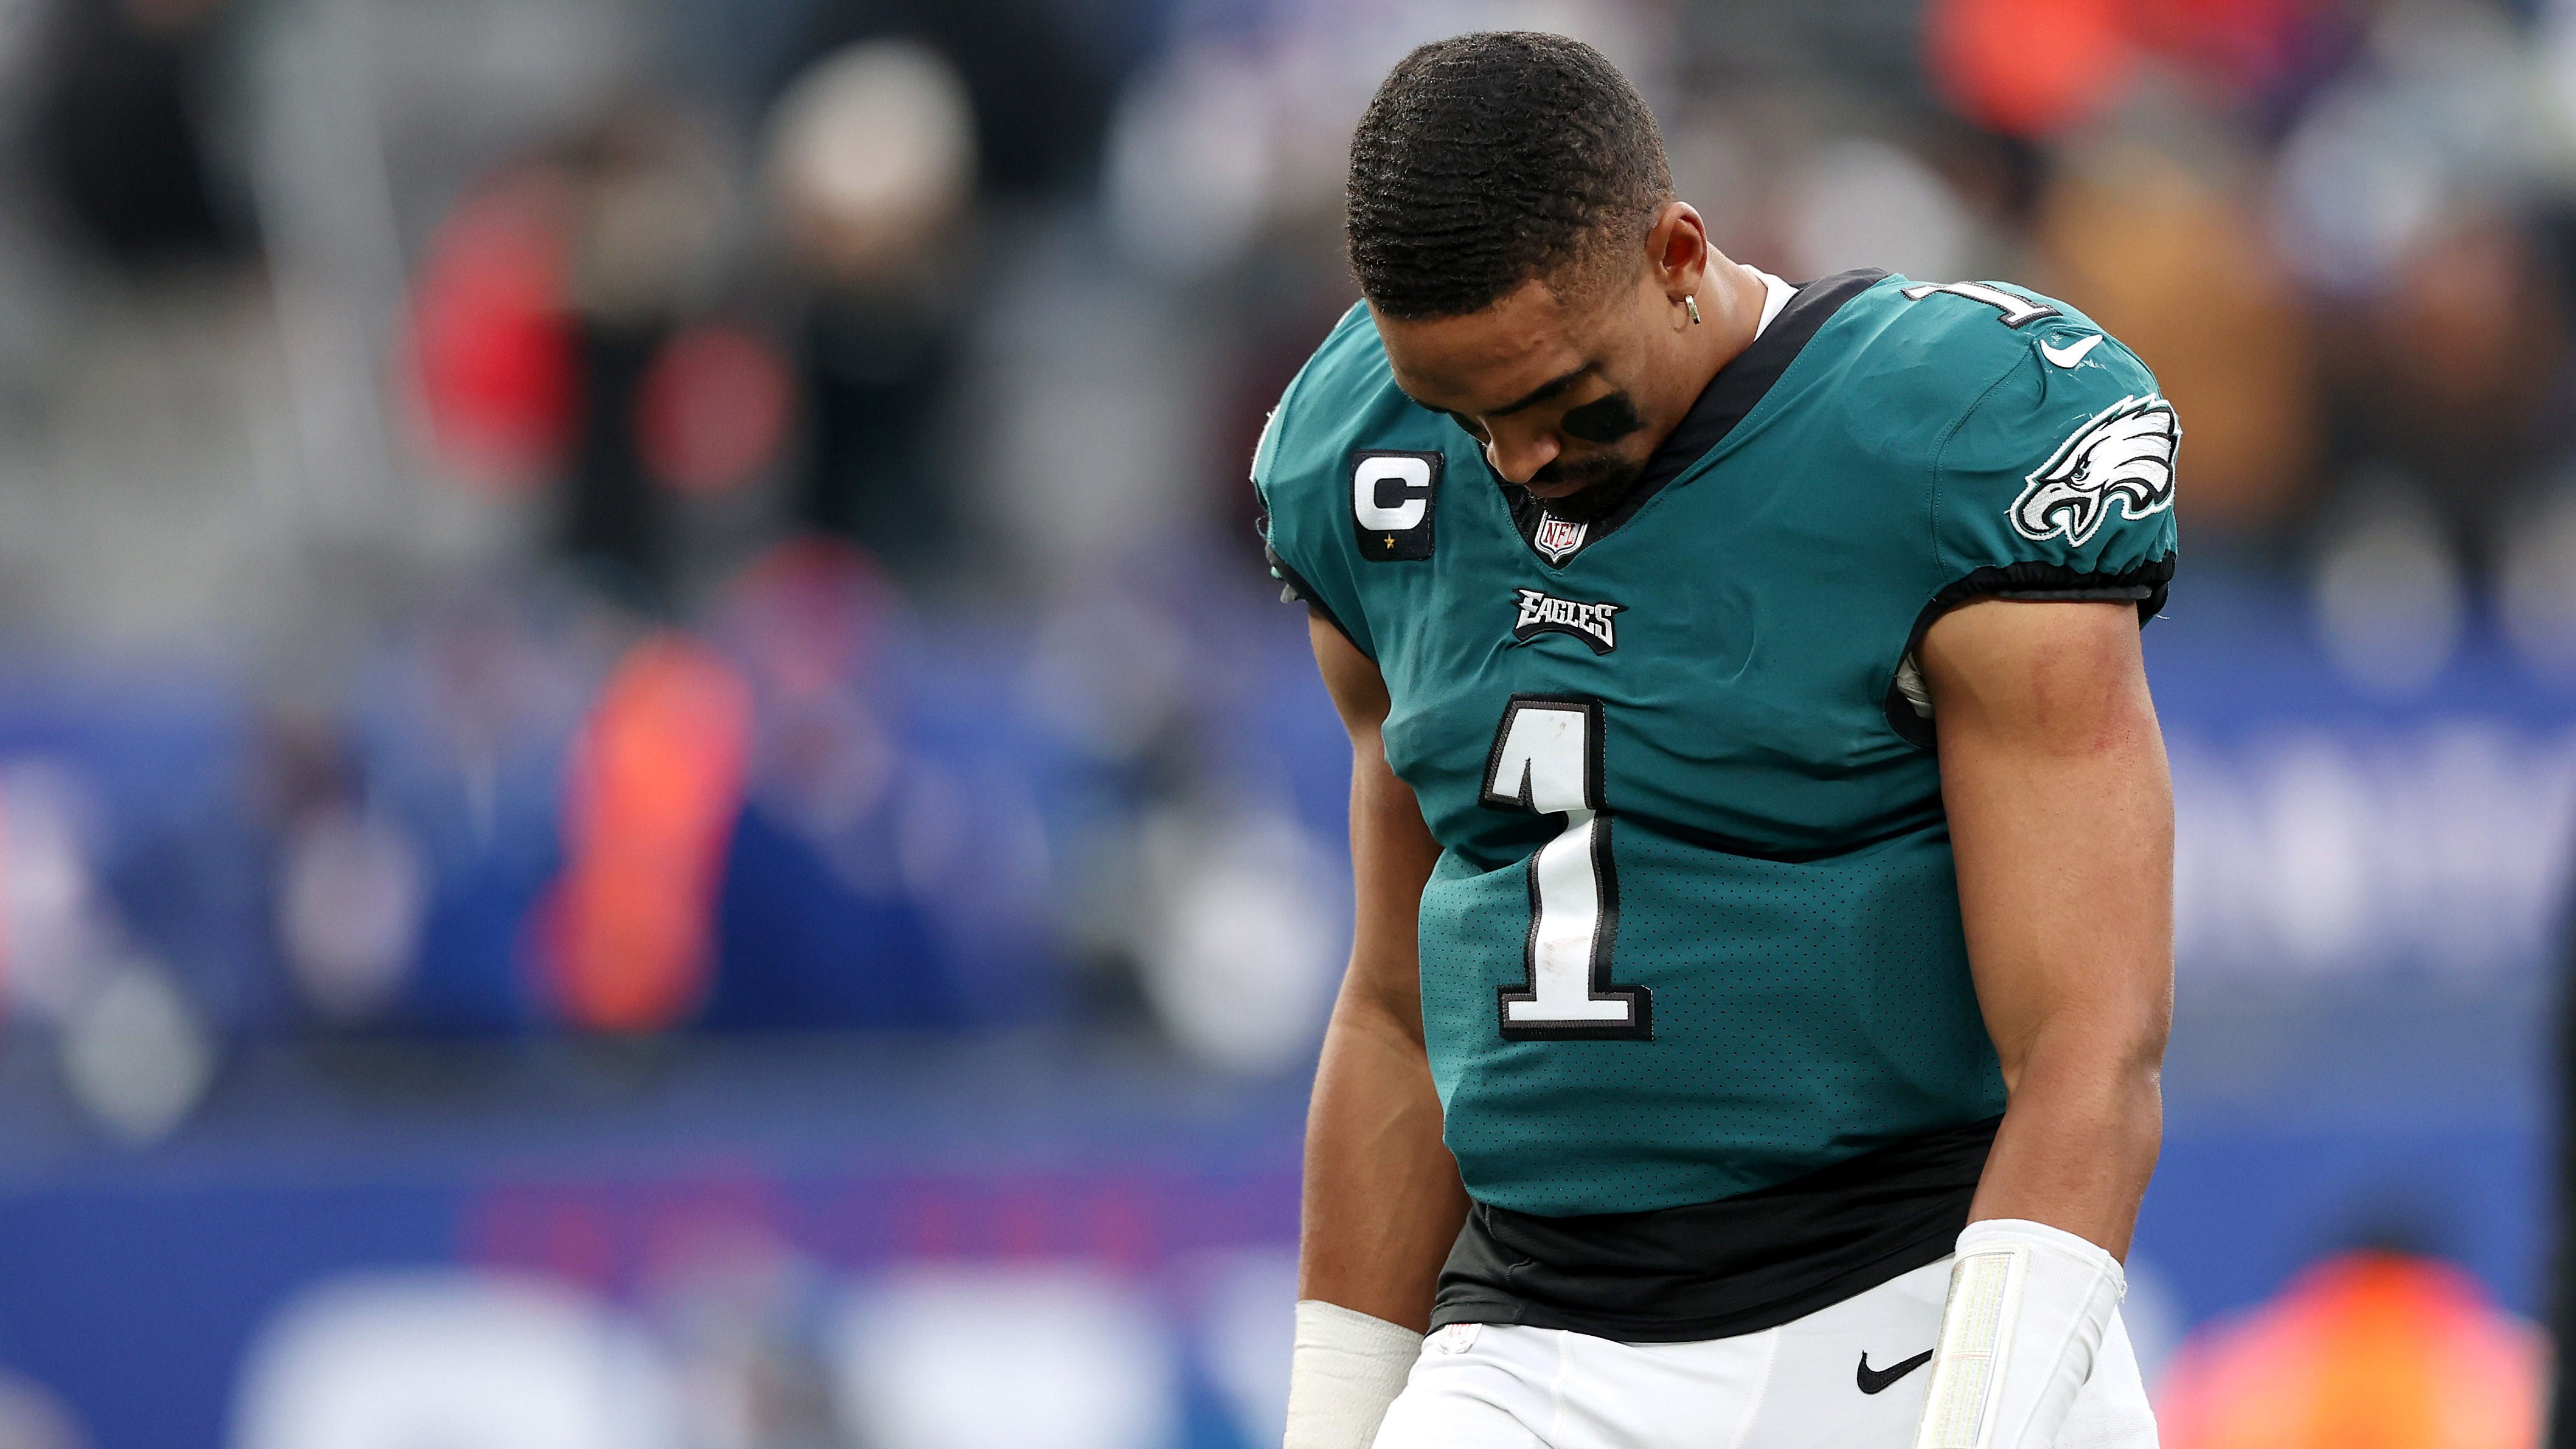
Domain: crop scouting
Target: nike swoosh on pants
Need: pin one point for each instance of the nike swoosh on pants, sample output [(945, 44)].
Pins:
[(1876, 1380)]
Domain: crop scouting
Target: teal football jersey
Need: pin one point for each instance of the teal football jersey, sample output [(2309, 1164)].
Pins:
[(1694, 929)]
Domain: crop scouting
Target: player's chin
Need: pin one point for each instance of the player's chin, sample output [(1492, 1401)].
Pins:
[(1565, 480), (1581, 495)]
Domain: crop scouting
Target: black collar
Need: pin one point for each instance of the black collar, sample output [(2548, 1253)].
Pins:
[(1735, 391)]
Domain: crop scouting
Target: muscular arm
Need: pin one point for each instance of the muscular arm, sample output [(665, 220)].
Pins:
[(2061, 814), (1382, 1198)]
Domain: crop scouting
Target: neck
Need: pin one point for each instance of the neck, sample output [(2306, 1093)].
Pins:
[(1731, 301), (1739, 290)]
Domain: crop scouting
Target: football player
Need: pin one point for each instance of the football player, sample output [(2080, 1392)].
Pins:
[(1762, 831)]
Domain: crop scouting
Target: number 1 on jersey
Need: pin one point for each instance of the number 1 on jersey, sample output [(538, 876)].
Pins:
[(1547, 759)]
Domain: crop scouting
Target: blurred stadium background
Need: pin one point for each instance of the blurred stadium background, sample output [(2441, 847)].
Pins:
[(651, 798)]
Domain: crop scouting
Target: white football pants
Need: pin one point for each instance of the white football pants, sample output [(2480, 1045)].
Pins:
[(1798, 1386)]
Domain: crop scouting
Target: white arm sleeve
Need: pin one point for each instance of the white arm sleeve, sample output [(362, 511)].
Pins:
[(1346, 1368), (2028, 1307), (2112, 1412)]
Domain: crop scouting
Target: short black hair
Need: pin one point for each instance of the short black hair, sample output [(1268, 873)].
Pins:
[(1486, 160)]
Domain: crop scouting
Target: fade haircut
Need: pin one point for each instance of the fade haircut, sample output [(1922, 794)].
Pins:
[(1486, 160)]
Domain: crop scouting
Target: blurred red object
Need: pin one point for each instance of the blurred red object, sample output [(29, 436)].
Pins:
[(626, 935), (2027, 67), (2038, 67), (492, 337), (2370, 1351), (2247, 43), (713, 409)]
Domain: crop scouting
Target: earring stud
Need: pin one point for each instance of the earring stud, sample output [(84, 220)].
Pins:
[(1693, 304)]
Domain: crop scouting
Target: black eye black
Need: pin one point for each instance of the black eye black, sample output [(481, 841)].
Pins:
[(1602, 420)]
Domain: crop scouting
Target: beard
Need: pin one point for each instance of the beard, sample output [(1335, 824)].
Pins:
[(1606, 483)]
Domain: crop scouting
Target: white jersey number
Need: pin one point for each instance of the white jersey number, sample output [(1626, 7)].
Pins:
[(1547, 759), (2013, 308)]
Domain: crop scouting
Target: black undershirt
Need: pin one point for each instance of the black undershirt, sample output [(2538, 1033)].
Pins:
[(1717, 1269)]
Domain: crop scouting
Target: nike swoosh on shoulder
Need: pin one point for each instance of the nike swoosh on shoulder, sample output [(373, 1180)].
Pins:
[(2069, 356), (1876, 1380)]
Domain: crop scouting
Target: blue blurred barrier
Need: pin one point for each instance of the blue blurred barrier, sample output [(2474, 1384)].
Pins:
[(846, 1183), (144, 1291)]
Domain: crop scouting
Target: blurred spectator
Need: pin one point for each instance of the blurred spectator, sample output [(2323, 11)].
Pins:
[(136, 1051), (349, 889), (2461, 384), (463, 722), (123, 134), (2371, 1351), (649, 221), (626, 937), (2537, 587), (1243, 949), (563, 327), (2165, 255), (1036, 74), (872, 155), (2391, 604), (2409, 197), (349, 910), (63, 930), (1203, 904), (495, 364), (138, 1056), (823, 920), (1865, 203), (712, 410)]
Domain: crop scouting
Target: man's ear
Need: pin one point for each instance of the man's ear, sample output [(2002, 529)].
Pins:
[(1677, 247)]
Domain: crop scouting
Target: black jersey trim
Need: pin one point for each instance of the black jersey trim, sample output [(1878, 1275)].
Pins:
[(1717, 1269), (2034, 582), (1738, 388), (1293, 589)]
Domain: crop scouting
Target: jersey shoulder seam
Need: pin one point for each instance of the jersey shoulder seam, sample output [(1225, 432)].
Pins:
[(1941, 448)]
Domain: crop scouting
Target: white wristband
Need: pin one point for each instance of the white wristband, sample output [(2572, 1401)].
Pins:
[(2028, 1307), (1346, 1368)]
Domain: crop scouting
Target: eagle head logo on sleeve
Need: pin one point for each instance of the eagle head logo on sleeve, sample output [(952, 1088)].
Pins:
[(2124, 452)]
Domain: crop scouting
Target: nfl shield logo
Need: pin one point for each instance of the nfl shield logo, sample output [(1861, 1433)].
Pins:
[(1558, 539)]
